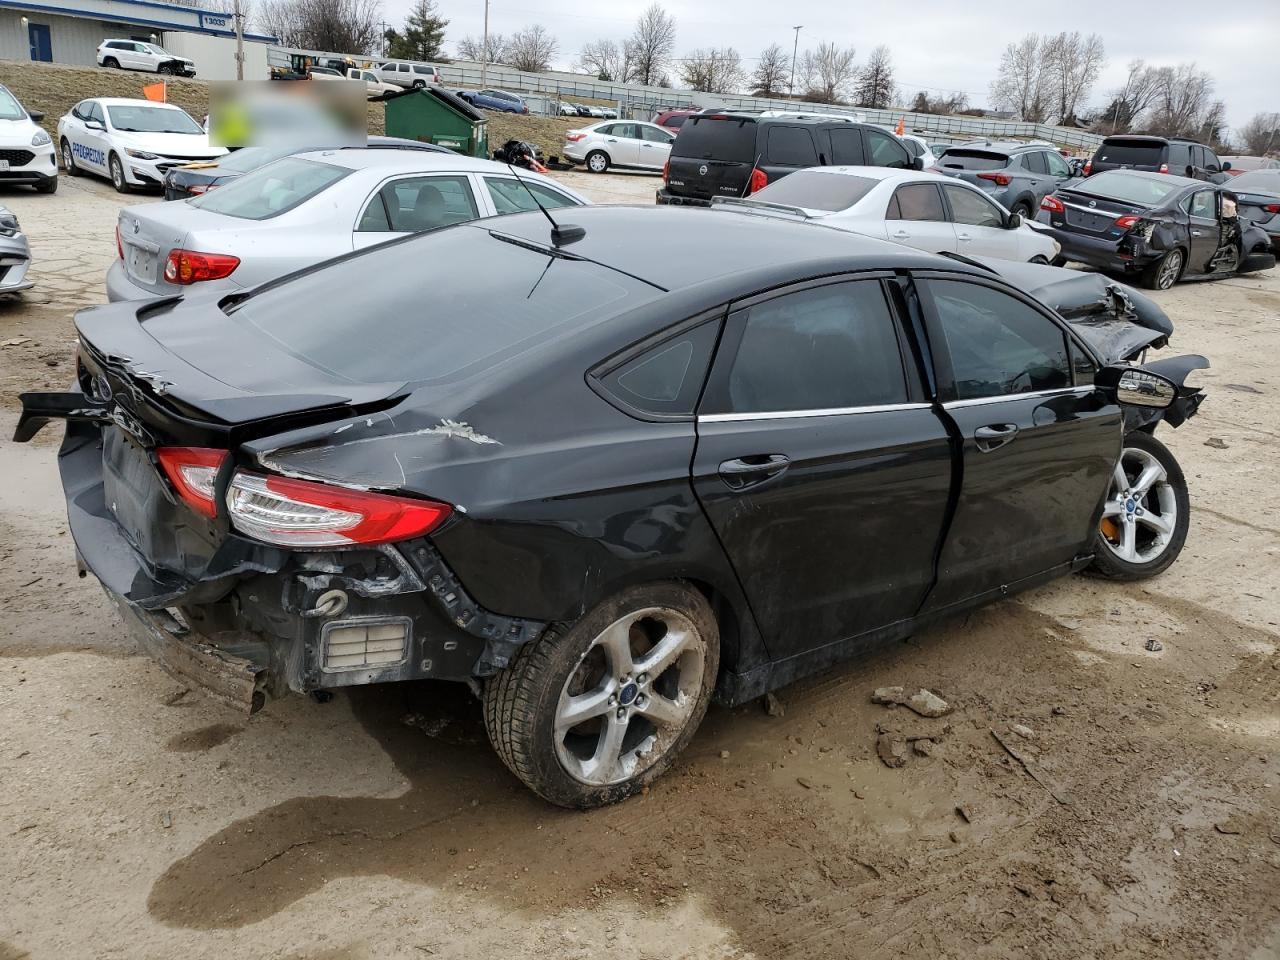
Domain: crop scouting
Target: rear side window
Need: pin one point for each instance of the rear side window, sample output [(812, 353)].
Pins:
[(426, 70), (998, 345), (665, 379), (820, 349), (271, 190), (791, 147), (973, 160), (707, 138), (512, 196), (1135, 153), (817, 191), (846, 148), (419, 203), (916, 201), (677, 121), (1035, 162), (885, 151)]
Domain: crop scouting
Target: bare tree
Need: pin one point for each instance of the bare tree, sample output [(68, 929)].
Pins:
[(875, 86), (1075, 62), (473, 48), (712, 71), (1024, 83), (1131, 101), (827, 72), (1182, 100), (343, 26), (943, 105), (769, 79), (531, 49), (1261, 135), (604, 59), (651, 44)]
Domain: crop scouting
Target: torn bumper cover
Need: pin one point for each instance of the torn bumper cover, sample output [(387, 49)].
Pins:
[(244, 620)]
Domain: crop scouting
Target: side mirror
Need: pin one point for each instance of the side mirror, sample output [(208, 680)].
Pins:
[(35, 115), (95, 125), (917, 163), (1136, 387), (1226, 165), (1014, 221)]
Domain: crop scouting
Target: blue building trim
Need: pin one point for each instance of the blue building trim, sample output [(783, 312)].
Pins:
[(142, 21)]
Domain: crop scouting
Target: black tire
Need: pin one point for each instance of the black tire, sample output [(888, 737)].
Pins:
[(165, 68), (117, 174), (68, 158), (597, 161), (1165, 272), (111, 63), (1023, 209), (1058, 261), (419, 84), (1040, 259), (47, 185), (1107, 559), (522, 701)]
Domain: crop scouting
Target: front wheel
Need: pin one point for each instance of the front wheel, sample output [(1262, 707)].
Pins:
[(1146, 514), (117, 175), (69, 159), (111, 63), (1164, 273), (165, 69), (590, 714)]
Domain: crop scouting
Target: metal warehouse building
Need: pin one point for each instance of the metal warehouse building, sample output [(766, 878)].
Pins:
[(69, 31)]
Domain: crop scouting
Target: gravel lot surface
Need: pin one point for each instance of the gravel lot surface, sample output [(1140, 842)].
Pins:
[(141, 821)]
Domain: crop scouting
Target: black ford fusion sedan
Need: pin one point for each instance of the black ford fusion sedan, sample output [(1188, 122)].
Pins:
[(679, 456)]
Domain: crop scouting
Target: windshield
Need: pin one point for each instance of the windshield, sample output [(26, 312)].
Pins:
[(973, 160), (337, 321), (1117, 185), (10, 109), (152, 120), (816, 191), (157, 50), (275, 189), (716, 138)]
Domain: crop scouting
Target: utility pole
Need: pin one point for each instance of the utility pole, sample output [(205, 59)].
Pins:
[(791, 88), (238, 16), (484, 49)]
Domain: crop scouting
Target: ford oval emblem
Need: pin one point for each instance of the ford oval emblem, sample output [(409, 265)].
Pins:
[(702, 170)]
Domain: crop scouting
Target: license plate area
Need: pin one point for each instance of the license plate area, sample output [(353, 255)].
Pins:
[(4, 165), (140, 262), (131, 487), (1093, 222)]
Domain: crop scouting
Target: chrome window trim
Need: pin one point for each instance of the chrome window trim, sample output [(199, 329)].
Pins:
[(1004, 397), (798, 414)]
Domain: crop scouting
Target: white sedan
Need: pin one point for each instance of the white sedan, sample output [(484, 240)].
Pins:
[(310, 207), (928, 211), (626, 144), (133, 142), (26, 151)]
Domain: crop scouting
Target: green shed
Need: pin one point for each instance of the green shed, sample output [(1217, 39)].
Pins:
[(437, 116)]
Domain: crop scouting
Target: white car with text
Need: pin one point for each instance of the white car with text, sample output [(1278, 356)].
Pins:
[(927, 211), (131, 142)]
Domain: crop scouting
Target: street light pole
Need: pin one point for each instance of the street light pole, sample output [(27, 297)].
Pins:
[(484, 49), (791, 88)]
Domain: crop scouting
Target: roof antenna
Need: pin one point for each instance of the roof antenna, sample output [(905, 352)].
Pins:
[(560, 236)]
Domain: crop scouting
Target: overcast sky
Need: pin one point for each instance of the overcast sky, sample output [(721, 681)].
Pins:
[(941, 45)]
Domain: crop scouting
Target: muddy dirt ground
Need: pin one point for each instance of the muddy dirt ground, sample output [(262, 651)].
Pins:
[(138, 820)]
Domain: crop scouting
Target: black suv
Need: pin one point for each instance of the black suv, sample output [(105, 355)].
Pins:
[(1175, 155), (736, 154)]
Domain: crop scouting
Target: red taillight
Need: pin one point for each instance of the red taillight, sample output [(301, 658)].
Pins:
[(1164, 168), (119, 245), (666, 170), (1052, 204), (1003, 179), (1127, 222), (302, 513), (193, 471), (759, 180), (573, 136), (1088, 166), (1272, 207), (187, 266), (199, 188)]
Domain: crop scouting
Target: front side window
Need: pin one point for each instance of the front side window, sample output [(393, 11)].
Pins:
[(971, 208), (419, 203), (95, 113), (1057, 166), (884, 151), (824, 348), (791, 147), (1204, 205), (999, 346), (512, 196), (654, 134), (916, 201)]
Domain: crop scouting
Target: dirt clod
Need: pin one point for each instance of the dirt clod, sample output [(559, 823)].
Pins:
[(924, 702), (773, 706), (892, 750)]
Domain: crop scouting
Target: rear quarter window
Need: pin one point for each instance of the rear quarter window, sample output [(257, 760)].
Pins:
[(791, 147), (664, 379)]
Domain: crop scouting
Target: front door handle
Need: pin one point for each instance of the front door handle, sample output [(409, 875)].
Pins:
[(994, 435), (744, 472), (1195, 233), (963, 237)]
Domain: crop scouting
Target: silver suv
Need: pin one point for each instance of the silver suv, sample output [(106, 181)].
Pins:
[(1015, 175), (408, 75)]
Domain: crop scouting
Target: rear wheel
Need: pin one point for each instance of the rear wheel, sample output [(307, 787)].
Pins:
[(592, 713), (1146, 514), (117, 174), (597, 161), (1023, 209), (1164, 273), (69, 159), (111, 63)]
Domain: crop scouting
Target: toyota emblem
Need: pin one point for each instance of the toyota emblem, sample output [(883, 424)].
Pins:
[(136, 226), (702, 170)]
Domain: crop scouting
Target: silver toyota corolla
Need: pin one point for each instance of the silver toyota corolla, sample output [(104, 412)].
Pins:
[(15, 254), (306, 208)]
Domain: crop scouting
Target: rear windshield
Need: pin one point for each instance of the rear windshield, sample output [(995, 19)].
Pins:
[(271, 190), (1138, 153), (676, 121), (1118, 185), (973, 160), (817, 191), (1259, 181), (339, 322), (713, 138)]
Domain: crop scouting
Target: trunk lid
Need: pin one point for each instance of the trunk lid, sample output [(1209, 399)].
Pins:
[(712, 157), (1095, 215), (149, 232)]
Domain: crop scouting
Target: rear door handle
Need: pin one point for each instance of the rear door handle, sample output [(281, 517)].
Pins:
[(994, 435), (744, 472), (1195, 233), (901, 235)]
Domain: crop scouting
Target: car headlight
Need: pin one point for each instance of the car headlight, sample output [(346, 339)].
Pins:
[(8, 225), (142, 154), (40, 139)]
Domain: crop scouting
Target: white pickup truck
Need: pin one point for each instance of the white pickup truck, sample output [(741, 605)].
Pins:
[(374, 86)]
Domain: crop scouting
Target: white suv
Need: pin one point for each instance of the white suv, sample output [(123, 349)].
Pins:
[(135, 55), (408, 75)]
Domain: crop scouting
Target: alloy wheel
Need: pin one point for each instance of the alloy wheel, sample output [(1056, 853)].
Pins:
[(633, 693), (1141, 510), (117, 174), (1169, 269)]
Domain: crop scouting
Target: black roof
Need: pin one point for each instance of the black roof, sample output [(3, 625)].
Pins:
[(677, 247)]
